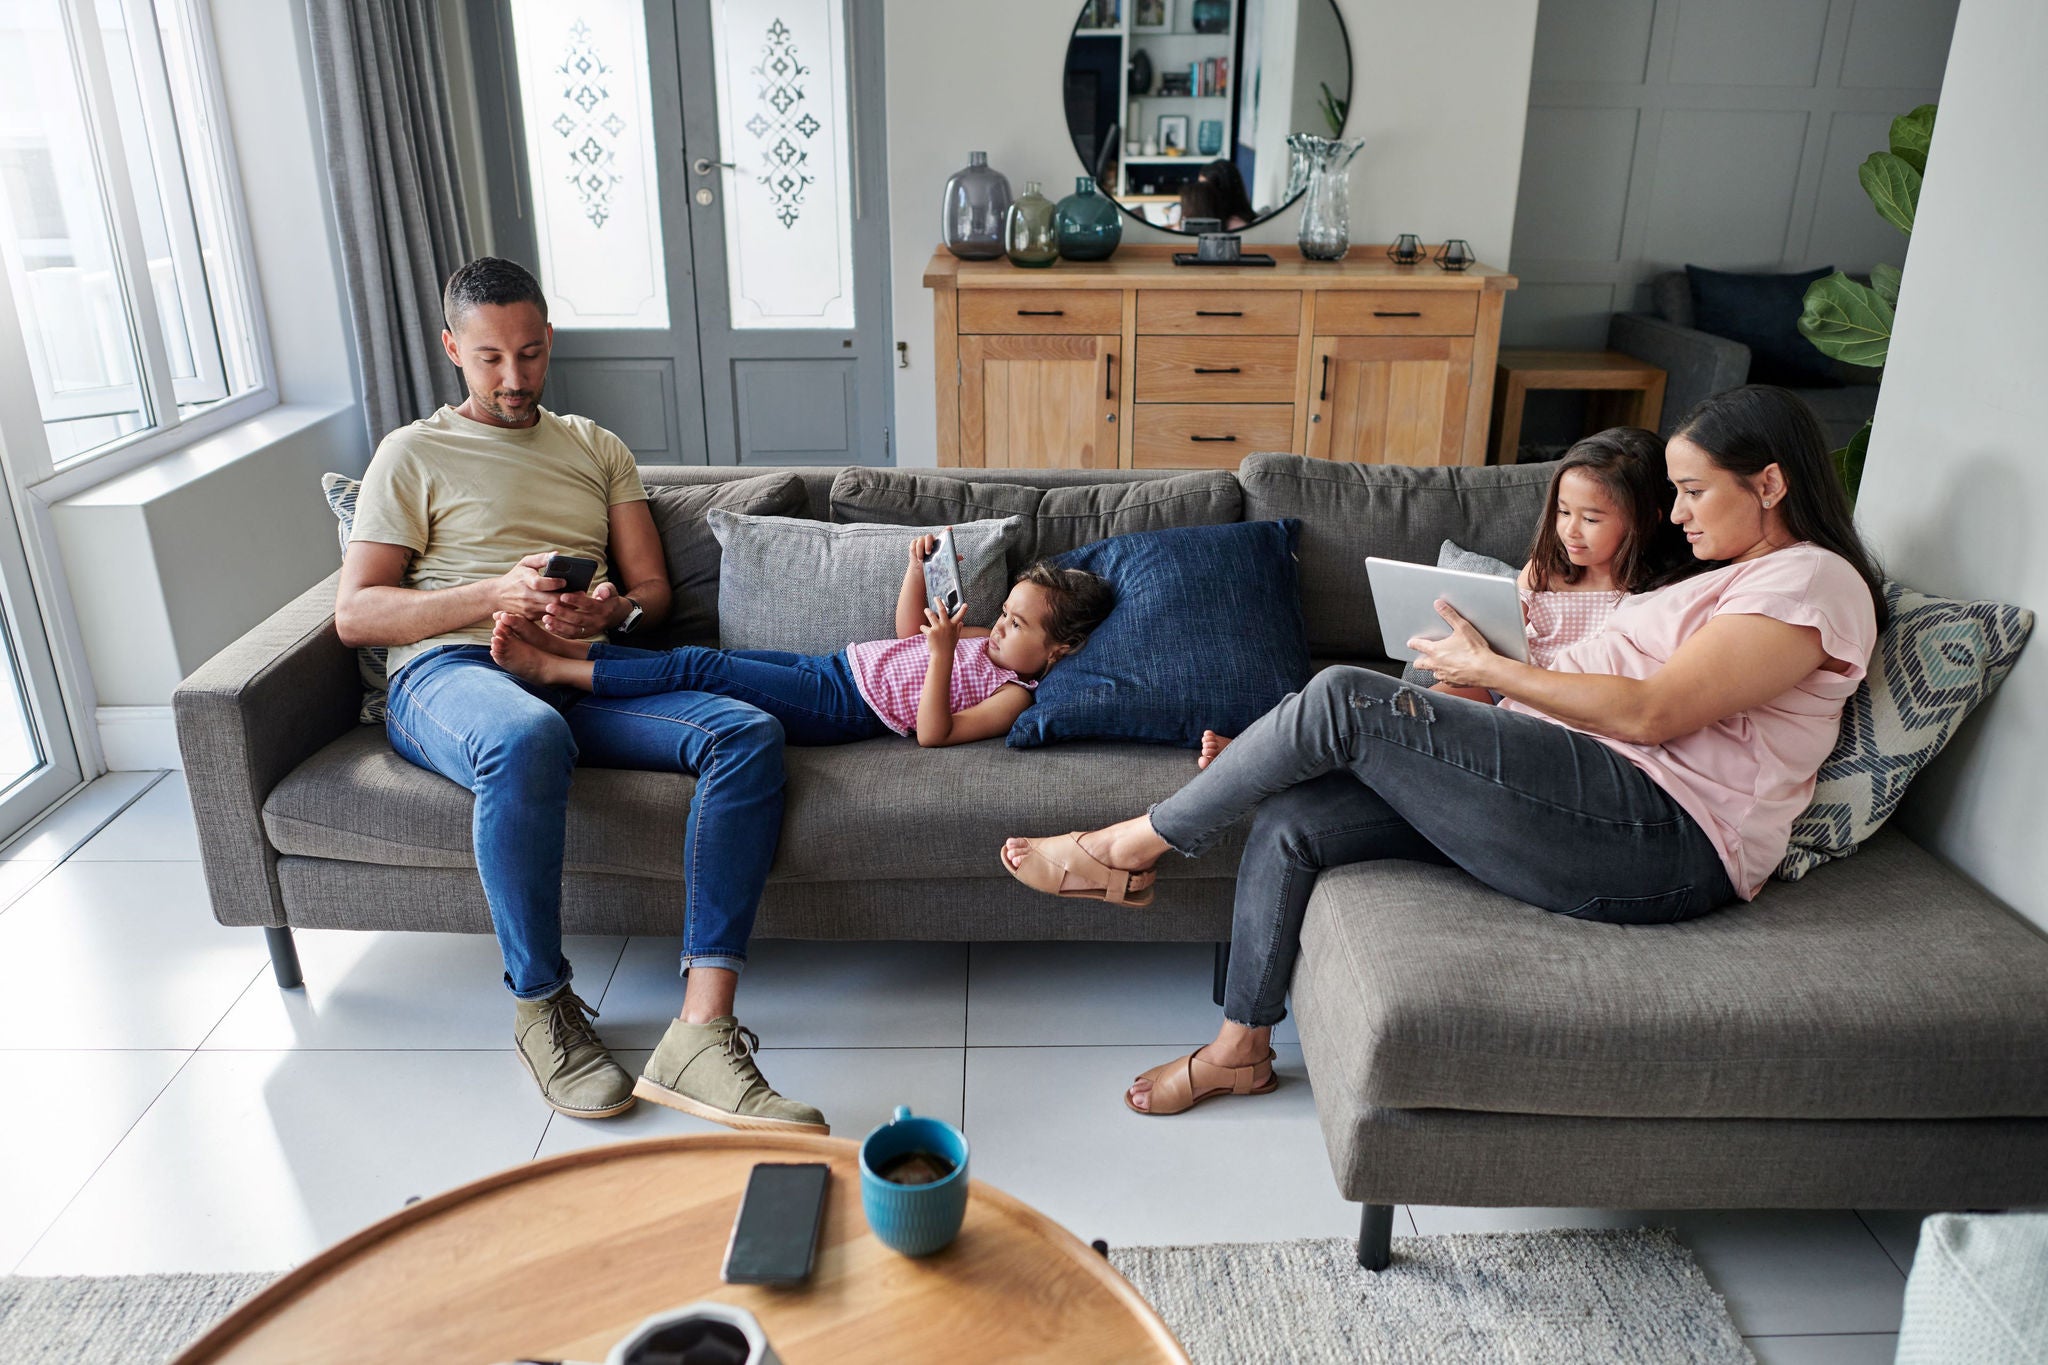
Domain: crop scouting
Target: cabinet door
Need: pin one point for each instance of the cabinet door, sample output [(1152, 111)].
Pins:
[(1389, 400), (1039, 402)]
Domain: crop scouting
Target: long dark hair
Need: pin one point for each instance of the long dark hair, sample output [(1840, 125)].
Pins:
[(1628, 463), (1222, 195), (1747, 430)]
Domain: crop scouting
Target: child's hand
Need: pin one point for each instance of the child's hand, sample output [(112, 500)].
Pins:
[(940, 630), (921, 549)]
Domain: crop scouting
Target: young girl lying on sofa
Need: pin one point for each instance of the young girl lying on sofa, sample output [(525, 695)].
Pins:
[(1604, 537), (941, 681)]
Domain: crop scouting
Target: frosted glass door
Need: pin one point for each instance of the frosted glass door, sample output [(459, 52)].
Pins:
[(782, 118)]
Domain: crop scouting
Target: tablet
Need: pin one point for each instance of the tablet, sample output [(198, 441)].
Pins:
[(1405, 596)]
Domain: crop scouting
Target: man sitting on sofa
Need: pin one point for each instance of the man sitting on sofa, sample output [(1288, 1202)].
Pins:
[(454, 523)]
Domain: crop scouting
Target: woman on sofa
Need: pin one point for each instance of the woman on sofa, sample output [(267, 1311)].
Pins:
[(1652, 774)]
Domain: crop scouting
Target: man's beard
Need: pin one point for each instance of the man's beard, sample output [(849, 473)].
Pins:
[(489, 403)]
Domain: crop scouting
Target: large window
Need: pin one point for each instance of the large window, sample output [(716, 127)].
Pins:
[(120, 230)]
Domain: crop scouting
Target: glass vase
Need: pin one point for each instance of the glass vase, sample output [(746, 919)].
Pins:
[(1319, 172), (1029, 234), (971, 214), (1089, 226)]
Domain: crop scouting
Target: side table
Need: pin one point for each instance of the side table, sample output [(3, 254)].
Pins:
[(558, 1259), (1631, 392)]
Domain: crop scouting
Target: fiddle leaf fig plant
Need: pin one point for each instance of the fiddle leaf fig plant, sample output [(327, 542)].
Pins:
[(1850, 321)]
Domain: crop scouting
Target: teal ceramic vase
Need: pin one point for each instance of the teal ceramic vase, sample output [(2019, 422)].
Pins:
[(1089, 225), (1029, 236)]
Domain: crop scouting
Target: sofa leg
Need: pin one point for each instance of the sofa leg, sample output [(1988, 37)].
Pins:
[(1376, 1237), (1222, 973), (284, 958)]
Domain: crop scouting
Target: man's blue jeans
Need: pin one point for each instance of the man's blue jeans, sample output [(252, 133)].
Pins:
[(514, 744)]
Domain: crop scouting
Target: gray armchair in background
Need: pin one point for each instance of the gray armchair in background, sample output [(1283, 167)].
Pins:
[(1697, 364)]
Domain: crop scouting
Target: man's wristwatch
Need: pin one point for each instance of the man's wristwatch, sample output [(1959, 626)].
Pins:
[(626, 626)]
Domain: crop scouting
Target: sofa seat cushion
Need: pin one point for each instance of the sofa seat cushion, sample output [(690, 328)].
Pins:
[(1883, 986), (876, 811)]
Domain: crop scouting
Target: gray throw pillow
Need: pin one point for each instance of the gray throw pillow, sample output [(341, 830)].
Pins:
[(1451, 555), (1058, 519), (371, 662), (814, 588), (687, 542)]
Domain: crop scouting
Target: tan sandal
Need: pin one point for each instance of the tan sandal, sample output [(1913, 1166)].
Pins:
[(1185, 1082), (1049, 863)]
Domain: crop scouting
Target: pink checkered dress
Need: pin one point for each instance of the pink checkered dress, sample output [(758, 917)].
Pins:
[(890, 675), (1559, 620)]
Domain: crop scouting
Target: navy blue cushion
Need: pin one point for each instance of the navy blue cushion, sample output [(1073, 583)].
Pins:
[(1762, 312), (1206, 635)]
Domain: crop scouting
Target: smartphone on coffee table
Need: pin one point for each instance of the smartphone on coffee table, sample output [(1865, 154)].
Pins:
[(775, 1236), (942, 583)]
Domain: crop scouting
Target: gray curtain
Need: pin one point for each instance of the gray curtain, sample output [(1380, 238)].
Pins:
[(397, 194)]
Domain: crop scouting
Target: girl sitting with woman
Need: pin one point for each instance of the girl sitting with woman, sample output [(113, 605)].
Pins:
[(1652, 774), (1605, 536)]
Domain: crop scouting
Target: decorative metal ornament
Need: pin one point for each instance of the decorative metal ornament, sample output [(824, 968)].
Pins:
[(1407, 250), (1455, 254)]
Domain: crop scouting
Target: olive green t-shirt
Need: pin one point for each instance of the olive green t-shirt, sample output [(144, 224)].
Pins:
[(470, 500)]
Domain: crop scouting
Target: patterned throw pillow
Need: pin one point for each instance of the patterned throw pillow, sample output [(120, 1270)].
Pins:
[(341, 493), (1935, 662)]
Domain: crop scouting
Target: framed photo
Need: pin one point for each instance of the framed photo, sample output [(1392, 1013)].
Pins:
[(1151, 16), (1173, 133)]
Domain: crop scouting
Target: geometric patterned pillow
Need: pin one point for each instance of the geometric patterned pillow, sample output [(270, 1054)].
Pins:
[(341, 493), (1934, 663)]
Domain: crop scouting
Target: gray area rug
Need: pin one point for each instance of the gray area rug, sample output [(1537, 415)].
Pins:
[(1550, 1297)]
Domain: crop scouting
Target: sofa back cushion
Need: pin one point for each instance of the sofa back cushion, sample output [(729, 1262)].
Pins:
[(794, 584), (1350, 511), (1079, 508), (680, 514)]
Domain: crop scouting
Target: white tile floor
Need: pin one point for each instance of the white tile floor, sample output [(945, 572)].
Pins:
[(170, 1109)]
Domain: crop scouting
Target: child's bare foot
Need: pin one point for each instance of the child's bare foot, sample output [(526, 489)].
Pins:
[(1212, 745), (519, 656), (540, 637)]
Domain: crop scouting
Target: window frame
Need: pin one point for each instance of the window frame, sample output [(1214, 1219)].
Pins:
[(22, 435)]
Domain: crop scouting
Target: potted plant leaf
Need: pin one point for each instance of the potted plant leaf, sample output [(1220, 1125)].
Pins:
[(1850, 321)]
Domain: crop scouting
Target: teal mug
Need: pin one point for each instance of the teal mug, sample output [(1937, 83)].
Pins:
[(916, 1219)]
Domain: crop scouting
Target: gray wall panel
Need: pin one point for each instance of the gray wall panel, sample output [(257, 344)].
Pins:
[(1847, 233), (1748, 42), (1567, 316), (1581, 157), (1898, 43), (1594, 40), (1723, 188)]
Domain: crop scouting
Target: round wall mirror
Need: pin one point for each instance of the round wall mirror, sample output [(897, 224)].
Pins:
[(1181, 109)]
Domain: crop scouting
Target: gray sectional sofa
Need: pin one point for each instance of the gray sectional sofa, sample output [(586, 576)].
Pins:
[(1874, 1036)]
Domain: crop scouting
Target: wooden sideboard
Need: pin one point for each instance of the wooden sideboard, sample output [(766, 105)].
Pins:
[(1137, 363)]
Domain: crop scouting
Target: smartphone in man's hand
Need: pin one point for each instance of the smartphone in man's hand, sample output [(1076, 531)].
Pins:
[(575, 571)]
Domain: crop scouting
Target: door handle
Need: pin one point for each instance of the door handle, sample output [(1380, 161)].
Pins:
[(704, 165), (1233, 369), (1212, 438), (1108, 376), (1324, 396), (1041, 312), (1378, 314)]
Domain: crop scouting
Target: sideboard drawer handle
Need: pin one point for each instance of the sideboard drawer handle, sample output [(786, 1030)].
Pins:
[(1041, 312), (1378, 314), (1212, 438), (1234, 369), (1218, 313), (1326, 380)]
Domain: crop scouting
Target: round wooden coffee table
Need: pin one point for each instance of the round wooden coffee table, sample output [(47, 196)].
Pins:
[(559, 1259)]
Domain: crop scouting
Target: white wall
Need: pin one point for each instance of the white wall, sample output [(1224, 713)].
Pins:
[(1956, 484), (1439, 93)]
